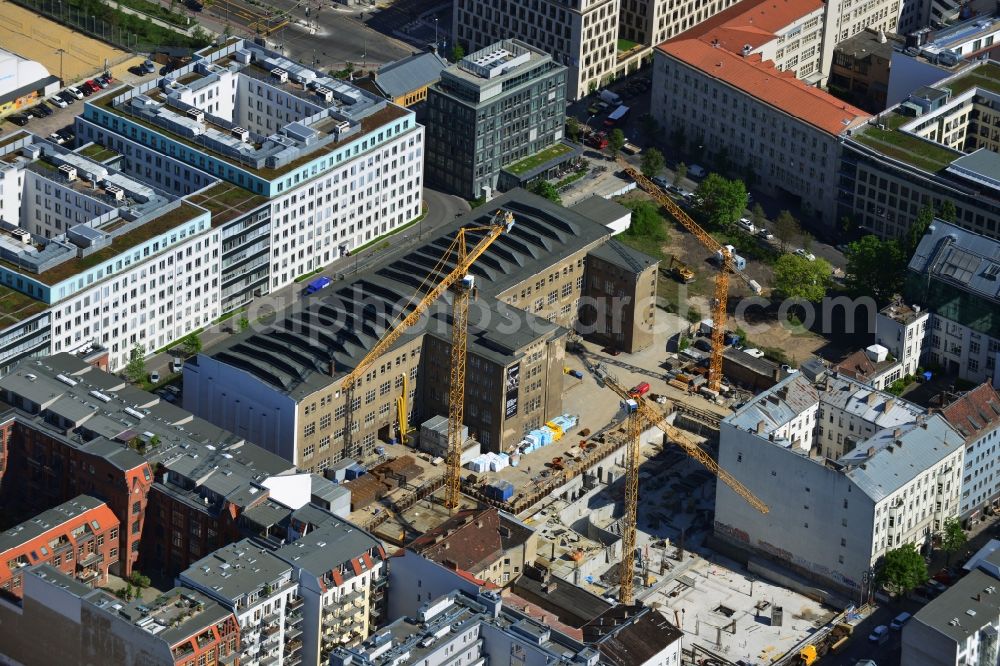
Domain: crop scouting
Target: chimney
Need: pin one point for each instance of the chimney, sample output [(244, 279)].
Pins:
[(896, 433), (872, 398), (760, 427), (888, 404), (871, 451)]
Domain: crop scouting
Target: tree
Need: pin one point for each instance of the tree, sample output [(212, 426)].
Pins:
[(135, 370), (902, 569), (573, 128), (680, 174), (952, 537), (723, 200), (244, 323), (652, 162), (544, 188), (758, 217), (875, 268), (457, 52), (797, 277), (918, 229), (191, 344), (140, 581), (646, 220), (786, 228), (616, 141), (948, 212)]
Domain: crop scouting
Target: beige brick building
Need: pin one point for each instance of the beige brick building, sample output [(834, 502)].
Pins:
[(281, 385)]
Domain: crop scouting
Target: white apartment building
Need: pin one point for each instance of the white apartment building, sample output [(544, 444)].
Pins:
[(763, 119), (261, 591), (976, 416), (962, 626), (342, 577), (339, 166), (875, 472), (902, 329)]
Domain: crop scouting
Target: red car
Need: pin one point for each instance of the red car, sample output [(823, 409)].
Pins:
[(92, 84), (598, 140)]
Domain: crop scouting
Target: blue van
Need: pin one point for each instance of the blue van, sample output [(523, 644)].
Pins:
[(316, 285)]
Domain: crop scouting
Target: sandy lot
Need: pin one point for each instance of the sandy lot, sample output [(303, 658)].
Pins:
[(36, 38)]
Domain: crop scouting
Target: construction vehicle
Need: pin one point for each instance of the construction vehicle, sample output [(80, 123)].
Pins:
[(680, 271), (722, 279), (831, 643), (457, 277), (640, 413)]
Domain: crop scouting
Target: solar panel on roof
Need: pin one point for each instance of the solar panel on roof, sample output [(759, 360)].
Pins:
[(959, 265)]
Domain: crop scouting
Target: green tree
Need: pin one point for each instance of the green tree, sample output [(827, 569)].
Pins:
[(573, 128), (244, 323), (797, 277), (544, 188), (646, 220), (786, 228), (191, 344), (135, 370), (875, 268), (616, 141), (680, 174), (948, 212), (902, 569), (457, 52), (138, 580), (952, 537), (652, 162), (758, 217), (918, 229), (723, 200)]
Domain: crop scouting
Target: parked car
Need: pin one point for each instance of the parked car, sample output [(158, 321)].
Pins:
[(101, 82), (154, 377), (75, 92), (880, 634), (66, 134), (696, 171), (661, 181), (41, 111), (746, 225), (66, 97), (762, 232), (898, 621), (86, 90), (809, 256), (176, 366), (58, 101), (166, 395), (55, 138), (19, 120)]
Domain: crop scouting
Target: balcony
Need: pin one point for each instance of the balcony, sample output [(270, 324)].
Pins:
[(294, 604), (88, 576), (89, 559), (292, 647), (292, 632), (271, 630)]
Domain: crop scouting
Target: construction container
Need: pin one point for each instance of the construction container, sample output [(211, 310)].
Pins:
[(353, 472), (629, 406), (515, 460), (499, 490)]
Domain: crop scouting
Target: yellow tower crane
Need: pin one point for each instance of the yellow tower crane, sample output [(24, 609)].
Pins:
[(463, 258), (638, 418), (721, 280)]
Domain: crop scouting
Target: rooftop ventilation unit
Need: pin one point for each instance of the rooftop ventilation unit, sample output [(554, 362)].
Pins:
[(197, 114), (324, 93), (241, 133), (116, 192), (100, 396), (66, 380), (280, 74), (19, 234), (69, 171), (134, 413)]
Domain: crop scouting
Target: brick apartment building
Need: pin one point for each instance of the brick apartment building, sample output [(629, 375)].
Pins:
[(78, 538)]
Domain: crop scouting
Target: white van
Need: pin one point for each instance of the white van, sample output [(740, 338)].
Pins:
[(746, 225)]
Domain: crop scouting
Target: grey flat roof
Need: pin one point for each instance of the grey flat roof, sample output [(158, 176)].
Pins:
[(47, 520), (573, 605), (328, 546), (955, 603), (172, 617), (962, 258), (294, 354), (600, 210), (52, 575), (395, 79), (236, 569), (624, 257), (982, 166)]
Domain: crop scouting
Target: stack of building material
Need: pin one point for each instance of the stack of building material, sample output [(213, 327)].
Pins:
[(365, 490)]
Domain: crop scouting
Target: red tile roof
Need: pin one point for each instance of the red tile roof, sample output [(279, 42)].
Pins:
[(753, 22), (975, 413), (469, 540), (714, 47)]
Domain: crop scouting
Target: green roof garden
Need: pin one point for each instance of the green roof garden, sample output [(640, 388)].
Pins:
[(538, 159), (906, 147), (227, 201), (16, 307), (985, 76)]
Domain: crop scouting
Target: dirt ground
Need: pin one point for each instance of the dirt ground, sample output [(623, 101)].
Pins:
[(763, 327), (37, 38)]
